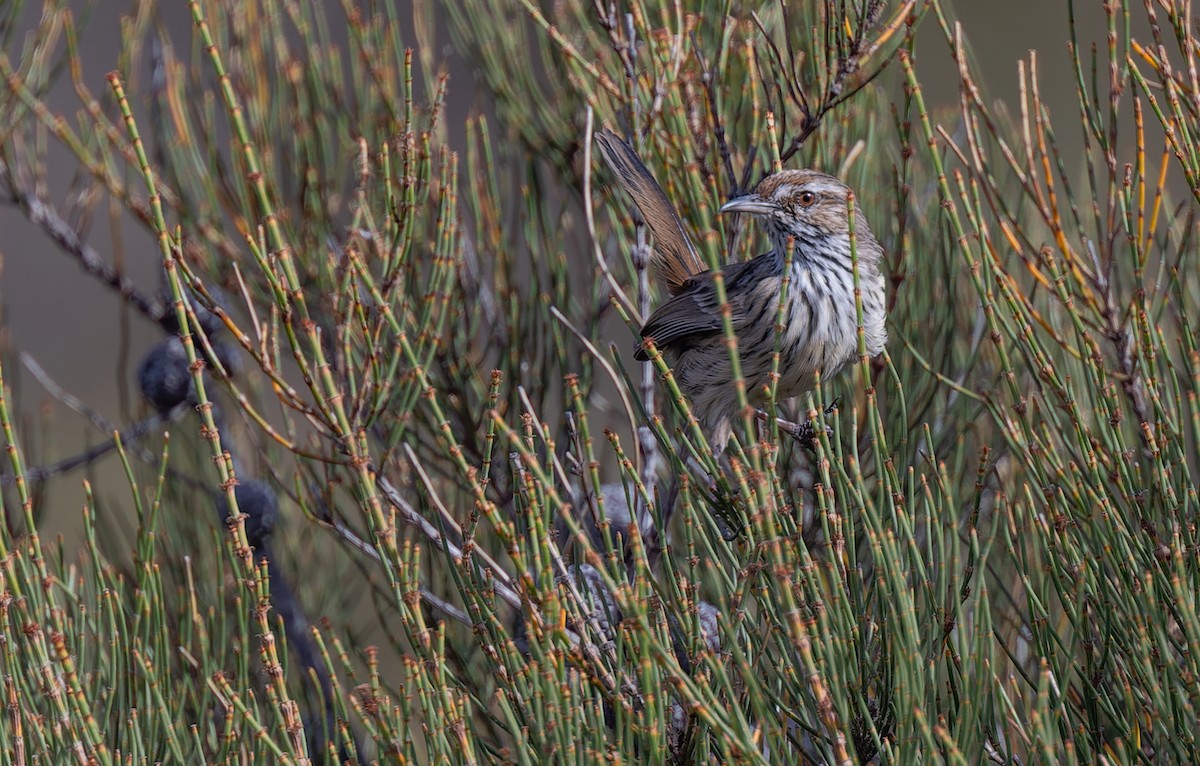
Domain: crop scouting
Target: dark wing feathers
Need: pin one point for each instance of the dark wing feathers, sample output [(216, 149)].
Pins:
[(676, 259), (683, 316), (694, 311)]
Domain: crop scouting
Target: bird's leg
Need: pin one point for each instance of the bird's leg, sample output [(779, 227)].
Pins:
[(806, 432)]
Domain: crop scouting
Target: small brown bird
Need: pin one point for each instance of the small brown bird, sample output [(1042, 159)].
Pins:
[(804, 207)]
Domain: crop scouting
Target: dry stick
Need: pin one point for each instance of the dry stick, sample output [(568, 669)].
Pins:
[(604, 365), (351, 538), (563, 477), (409, 515), (618, 294), (796, 94), (58, 392), (710, 92), (641, 259), (848, 62), (505, 592), (127, 436), (677, 56), (628, 53), (448, 518), (647, 454), (45, 216)]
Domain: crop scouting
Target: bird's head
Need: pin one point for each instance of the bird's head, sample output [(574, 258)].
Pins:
[(809, 208)]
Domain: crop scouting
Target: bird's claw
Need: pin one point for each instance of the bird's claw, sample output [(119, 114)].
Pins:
[(806, 432)]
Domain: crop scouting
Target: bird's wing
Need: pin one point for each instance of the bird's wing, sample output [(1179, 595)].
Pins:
[(677, 260), (695, 313)]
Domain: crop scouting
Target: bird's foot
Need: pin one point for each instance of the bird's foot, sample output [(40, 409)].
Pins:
[(806, 432)]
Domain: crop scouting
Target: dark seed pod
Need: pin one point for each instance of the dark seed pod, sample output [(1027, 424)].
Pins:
[(163, 375), (227, 355), (209, 322), (258, 501)]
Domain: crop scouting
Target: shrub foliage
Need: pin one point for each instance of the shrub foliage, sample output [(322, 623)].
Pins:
[(413, 396)]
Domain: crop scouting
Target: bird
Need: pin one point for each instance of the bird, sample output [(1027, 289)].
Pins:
[(803, 209)]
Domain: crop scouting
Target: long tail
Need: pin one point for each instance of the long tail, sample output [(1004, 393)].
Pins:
[(675, 260)]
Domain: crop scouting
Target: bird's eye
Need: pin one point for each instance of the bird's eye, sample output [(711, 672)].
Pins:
[(807, 199)]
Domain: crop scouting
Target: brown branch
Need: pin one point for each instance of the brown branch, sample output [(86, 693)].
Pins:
[(45, 216)]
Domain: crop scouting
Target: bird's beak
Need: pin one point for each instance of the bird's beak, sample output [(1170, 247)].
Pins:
[(751, 203)]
